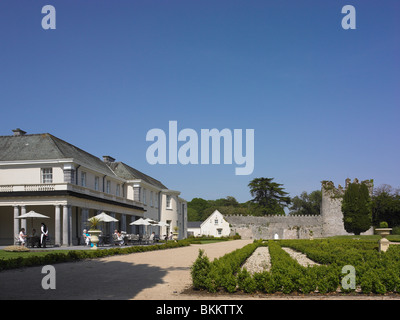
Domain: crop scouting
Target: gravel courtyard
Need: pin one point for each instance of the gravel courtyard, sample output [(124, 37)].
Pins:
[(153, 275)]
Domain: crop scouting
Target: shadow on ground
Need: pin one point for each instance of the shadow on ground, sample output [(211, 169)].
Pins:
[(82, 280)]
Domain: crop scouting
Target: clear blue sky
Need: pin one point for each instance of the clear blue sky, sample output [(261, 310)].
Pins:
[(323, 101)]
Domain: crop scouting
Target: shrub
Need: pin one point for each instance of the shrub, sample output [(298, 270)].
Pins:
[(200, 271), (383, 224)]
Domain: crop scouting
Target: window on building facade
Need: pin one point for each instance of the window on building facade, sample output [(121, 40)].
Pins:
[(96, 183), (151, 198), (108, 186), (156, 200), (168, 202), (118, 190), (216, 221), (47, 175), (83, 179), (144, 196)]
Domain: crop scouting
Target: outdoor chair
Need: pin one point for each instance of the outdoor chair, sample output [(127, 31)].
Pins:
[(132, 238), (17, 241), (136, 238), (145, 239), (116, 241), (49, 242)]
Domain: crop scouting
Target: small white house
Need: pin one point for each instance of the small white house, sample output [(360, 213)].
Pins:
[(193, 228), (215, 225)]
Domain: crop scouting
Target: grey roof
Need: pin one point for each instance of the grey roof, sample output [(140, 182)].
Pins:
[(128, 173), (194, 224), (46, 147)]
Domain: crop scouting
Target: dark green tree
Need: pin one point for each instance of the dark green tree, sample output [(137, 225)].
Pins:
[(197, 207), (386, 206), (268, 196), (307, 204), (356, 208)]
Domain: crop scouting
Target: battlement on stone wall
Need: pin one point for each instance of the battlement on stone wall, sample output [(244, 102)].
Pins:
[(264, 220), (328, 187)]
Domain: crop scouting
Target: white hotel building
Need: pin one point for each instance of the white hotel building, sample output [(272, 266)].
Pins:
[(43, 173)]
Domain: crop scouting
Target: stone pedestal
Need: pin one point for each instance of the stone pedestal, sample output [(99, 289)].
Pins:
[(383, 242)]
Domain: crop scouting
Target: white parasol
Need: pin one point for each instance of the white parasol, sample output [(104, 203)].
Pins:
[(104, 217)]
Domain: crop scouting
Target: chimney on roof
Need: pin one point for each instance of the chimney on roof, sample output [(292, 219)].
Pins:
[(108, 159), (18, 132)]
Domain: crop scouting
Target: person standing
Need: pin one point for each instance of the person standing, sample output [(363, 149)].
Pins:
[(43, 236)]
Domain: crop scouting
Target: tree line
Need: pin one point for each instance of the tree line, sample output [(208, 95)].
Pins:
[(360, 210)]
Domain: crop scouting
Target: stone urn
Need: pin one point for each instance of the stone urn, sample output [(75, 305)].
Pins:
[(94, 237), (383, 242), (175, 234)]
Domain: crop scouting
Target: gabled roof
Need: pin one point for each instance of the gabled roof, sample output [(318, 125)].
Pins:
[(47, 147), (217, 213), (194, 224), (128, 173)]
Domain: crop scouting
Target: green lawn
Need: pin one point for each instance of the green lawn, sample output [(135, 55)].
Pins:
[(10, 255), (207, 241), (393, 237)]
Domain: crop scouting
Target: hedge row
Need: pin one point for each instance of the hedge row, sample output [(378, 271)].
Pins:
[(74, 255), (221, 273), (199, 240), (375, 272)]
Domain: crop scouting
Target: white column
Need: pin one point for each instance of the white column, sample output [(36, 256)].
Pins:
[(70, 225), (65, 226), (57, 227), (16, 222), (23, 221)]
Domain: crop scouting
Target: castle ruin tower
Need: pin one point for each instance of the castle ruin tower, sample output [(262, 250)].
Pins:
[(331, 209)]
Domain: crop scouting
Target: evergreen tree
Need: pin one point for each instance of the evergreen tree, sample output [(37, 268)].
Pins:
[(356, 208), (269, 197)]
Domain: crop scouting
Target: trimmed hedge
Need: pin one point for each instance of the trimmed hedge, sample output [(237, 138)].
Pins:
[(221, 273), (375, 272), (74, 255)]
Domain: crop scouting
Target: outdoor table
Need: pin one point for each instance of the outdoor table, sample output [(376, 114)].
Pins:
[(104, 239), (31, 241)]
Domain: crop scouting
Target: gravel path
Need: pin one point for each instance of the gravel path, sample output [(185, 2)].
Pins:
[(300, 257), (153, 275), (259, 261)]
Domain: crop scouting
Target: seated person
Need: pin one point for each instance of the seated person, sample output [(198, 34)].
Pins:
[(86, 237), (118, 238), (22, 236), (35, 239)]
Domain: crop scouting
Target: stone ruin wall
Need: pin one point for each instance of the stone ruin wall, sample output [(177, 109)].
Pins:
[(328, 223), (286, 227)]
